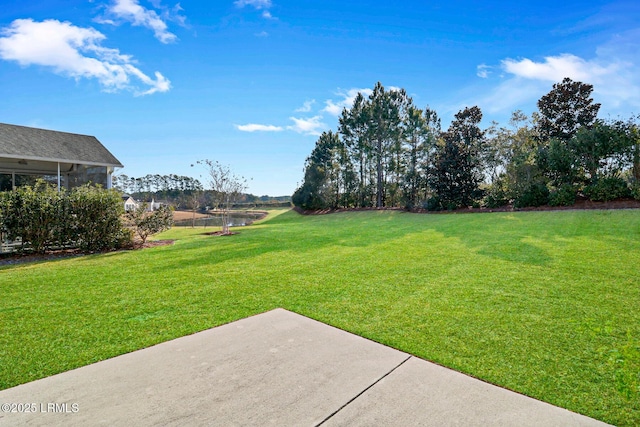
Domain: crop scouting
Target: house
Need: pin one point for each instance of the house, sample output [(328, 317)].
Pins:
[(130, 203), (155, 205), (68, 159)]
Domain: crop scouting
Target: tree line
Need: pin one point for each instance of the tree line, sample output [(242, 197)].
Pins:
[(184, 192), (165, 185), (389, 153)]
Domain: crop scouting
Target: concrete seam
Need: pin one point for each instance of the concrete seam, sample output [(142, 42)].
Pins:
[(362, 392)]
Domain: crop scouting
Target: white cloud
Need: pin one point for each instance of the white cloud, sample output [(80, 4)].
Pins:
[(161, 83), (75, 52), (614, 77), (131, 11), (263, 5), (612, 71), (555, 68), (101, 20), (483, 71), (306, 107), (258, 4), (510, 94), (335, 107), (175, 15), (254, 127), (308, 126)]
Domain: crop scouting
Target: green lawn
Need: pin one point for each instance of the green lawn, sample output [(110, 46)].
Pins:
[(544, 303)]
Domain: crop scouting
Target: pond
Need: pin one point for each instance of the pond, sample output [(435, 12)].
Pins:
[(237, 219)]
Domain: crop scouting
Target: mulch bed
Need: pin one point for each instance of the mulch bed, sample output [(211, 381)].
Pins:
[(17, 258), (581, 204), (154, 243), (220, 233)]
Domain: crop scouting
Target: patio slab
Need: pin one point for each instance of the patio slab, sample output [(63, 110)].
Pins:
[(425, 394), (276, 368)]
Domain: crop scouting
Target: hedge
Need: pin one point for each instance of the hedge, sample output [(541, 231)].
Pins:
[(42, 218)]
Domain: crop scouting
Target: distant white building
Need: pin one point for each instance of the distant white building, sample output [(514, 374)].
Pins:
[(153, 205), (130, 203)]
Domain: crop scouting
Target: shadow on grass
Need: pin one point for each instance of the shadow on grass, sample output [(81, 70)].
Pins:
[(499, 236), (290, 234), (524, 237), (520, 238)]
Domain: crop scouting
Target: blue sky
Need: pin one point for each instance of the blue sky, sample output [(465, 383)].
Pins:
[(252, 83)]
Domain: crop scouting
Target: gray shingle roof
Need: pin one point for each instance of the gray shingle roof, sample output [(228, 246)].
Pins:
[(21, 142)]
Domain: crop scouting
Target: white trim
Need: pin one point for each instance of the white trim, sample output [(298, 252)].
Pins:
[(50, 160), (109, 181)]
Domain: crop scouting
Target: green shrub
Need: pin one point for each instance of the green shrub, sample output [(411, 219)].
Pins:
[(124, 238), (32, 214), (605, 189), (4, 210), (4, 207), (565, 195), (432, 204), (43, 218), (97, 213), (635, 191), (537, 194), (144, 223), (496, 195)]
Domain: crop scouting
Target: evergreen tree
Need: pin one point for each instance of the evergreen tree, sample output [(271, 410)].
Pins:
[(384, 123), (456, 169), (565, 109), (353, 128), (322, 179), (421, 130)]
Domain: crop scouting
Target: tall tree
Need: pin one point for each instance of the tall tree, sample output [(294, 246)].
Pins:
[(518, 154), (383, 130), (635, 152), (381, 155), (603, 150), (566, 108), (421, 130), (456, 170), (396, 165), (353, 128), (322, 185), (121, 182)]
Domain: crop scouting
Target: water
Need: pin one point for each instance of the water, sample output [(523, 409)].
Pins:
[(236, 220)]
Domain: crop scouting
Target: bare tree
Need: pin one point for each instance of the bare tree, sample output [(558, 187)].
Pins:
[(226, 186), (193, 201)]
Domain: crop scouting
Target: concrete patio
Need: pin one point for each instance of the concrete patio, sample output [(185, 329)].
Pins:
[(277, 368)]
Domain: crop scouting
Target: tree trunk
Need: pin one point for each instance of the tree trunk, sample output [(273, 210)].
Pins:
[(380, 176), (636, 162), (362, 180)]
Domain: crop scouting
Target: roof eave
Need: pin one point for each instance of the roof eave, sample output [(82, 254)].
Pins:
[(50, 160)]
